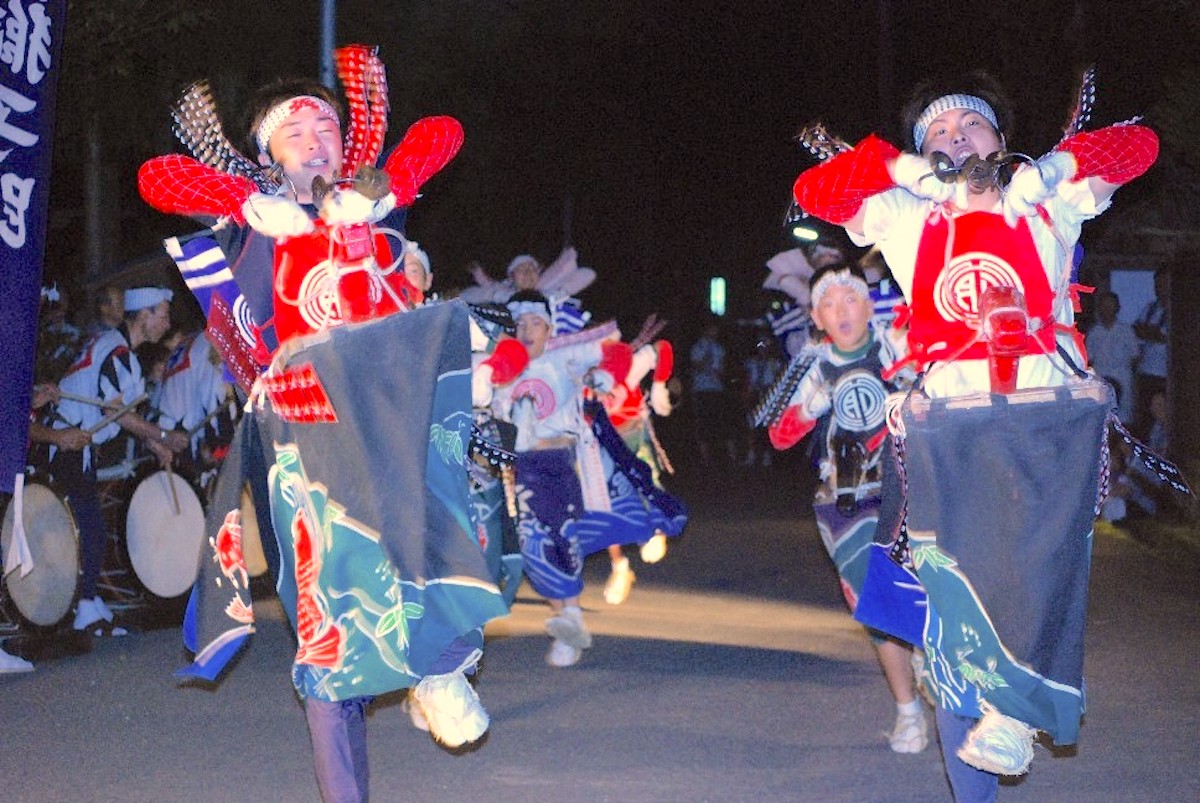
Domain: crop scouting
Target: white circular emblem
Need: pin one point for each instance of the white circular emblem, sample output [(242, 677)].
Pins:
[(318, 297), (958, 288), (858, 401), (244, 320)]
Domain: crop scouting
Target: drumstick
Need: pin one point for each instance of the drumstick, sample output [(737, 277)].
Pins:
[(174, 494), (114, 415), (199, 427), (82, 399)]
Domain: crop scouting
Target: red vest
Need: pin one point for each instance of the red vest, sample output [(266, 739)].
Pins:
[(321, 280), (944, 302)]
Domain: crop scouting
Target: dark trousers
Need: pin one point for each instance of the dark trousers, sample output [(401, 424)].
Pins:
[(79, 487), (968, 784), (338, 731)]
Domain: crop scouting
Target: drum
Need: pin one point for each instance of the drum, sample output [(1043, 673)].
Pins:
[(164, 533), (45, 595)]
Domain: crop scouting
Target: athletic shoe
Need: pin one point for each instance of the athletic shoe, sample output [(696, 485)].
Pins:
[(562, 654), (655, 549), (567, 626), (616, 590), (101, 608), (910, 734), (451, 707), (13, 663), (86, 614), (415, 714), (998, 744)]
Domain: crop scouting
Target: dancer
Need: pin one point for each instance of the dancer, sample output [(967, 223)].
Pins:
[(843, 384), (975, 252), (564, 516), (629, 412), (386, 591)]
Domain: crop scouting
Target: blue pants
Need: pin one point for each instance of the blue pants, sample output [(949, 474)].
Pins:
[(79, 486), (339, 741), (968, 784)]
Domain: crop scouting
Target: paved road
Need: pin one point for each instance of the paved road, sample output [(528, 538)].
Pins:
[(732, 673)]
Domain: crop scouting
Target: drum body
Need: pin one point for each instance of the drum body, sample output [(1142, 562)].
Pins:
[(46, 595), (164, 533)]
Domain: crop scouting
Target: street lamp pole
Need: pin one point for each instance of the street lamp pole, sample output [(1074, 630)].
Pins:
[(328, 9)]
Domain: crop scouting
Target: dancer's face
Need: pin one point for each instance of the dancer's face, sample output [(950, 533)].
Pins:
[(307, 144), (960, 133), (844, 313), (533, 331)]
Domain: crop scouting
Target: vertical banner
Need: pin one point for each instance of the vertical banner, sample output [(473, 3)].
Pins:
[(30, 43)]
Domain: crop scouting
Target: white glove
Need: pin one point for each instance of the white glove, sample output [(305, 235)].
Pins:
[(1034, 184), (481, 386), (275, 216), (660, 399), (915, 174), (344, 207)]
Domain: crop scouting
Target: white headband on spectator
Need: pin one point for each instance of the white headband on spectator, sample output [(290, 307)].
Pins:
[(143, 297), (519, 308), (842, 277), (274, 118), (944, 104)]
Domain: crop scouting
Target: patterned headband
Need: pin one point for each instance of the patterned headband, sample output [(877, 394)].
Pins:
[(519, 308), (944, 104), (843, 278), (274, 118)]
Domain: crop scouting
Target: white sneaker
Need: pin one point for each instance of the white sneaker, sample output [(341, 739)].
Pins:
[(998, 744), (562, 654), (86, 614), (415, 714), (13, 663), (101, 608), (655, 549), (616, 590), (567, 626), (910, 733), (451, 707)]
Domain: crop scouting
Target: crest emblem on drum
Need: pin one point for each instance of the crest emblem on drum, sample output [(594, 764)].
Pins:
[(858, 401), (959, 287)]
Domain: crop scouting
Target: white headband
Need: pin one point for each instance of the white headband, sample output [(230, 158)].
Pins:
[(143, 297), (519, 308), (519, 260), (274, 118), (843, 278), (944, 104)]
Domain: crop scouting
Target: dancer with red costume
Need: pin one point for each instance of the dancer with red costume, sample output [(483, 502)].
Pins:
[(981, 242), (385, 590)]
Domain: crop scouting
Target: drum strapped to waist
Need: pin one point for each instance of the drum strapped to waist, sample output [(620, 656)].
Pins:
[(164, 532), (45, 595)]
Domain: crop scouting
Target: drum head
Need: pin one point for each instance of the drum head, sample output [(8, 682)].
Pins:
[(44, 596), (164, 533)]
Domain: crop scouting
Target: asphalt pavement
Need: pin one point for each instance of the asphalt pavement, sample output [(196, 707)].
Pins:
[(732, 673)]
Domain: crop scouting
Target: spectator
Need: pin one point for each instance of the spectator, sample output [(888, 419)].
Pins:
[(1113, 349)]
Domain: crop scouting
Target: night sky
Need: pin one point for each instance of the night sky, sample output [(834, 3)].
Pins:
[(662, 128)]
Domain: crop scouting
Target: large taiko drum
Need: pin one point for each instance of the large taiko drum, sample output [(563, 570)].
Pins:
[(45, 595), (164, 533)]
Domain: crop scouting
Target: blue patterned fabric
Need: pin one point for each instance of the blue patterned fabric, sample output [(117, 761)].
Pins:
[(381, 570)]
